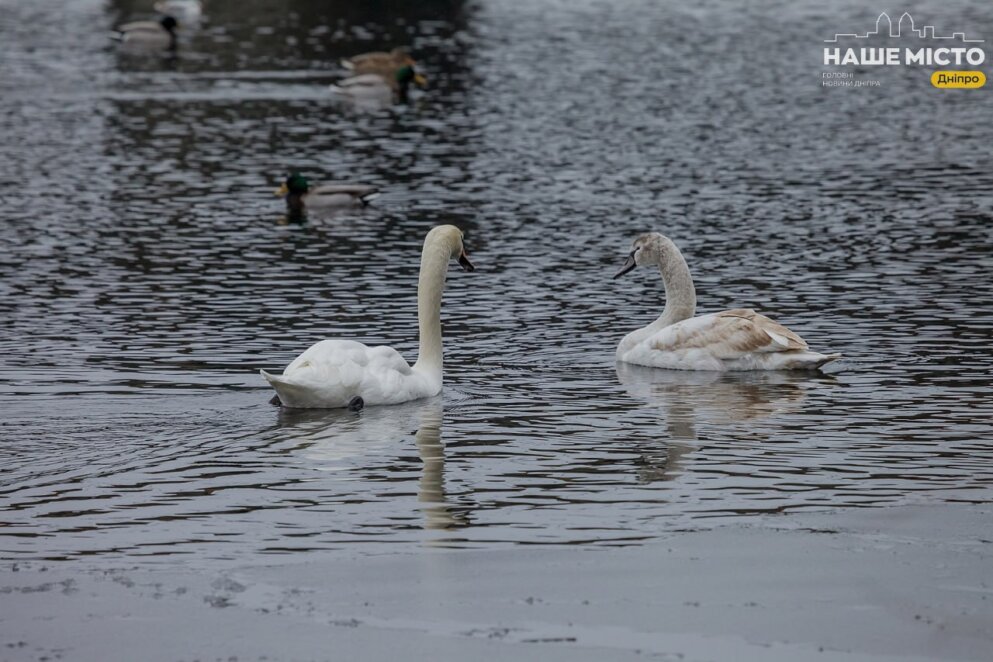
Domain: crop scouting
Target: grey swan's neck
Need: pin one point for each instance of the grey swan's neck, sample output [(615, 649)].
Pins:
[(680, 294)]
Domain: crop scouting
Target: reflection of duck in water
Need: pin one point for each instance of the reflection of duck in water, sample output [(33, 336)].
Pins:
[(341, 440), (715, 398)]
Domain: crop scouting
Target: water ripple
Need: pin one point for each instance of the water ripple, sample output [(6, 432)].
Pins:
[(147, 273)]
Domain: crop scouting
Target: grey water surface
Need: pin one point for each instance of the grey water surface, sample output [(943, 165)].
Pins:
[(147, 273)]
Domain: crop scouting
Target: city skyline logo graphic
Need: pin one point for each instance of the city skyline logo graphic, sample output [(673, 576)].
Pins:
[(886, 27)]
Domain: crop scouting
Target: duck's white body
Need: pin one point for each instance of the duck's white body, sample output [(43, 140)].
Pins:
[(739, 339), (299, 194), (371, 89), (340, 195), (150, 34), (332, 373), (365, 81)]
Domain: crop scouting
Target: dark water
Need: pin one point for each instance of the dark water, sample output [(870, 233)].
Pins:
[(147, 273)]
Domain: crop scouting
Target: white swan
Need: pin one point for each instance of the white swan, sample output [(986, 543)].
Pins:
[(345, 373), (738, 339)]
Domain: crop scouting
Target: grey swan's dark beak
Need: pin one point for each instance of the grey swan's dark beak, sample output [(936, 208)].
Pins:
[(628, 265)]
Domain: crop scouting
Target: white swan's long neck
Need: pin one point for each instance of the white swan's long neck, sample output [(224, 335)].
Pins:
[(680, 295), (430, 286)]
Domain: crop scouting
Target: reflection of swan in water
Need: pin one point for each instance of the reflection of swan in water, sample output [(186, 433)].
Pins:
[(341, 440), (688, 398), (438, 513)]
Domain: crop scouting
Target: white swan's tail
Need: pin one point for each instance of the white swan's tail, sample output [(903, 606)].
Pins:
[(347, 64), (296, 395), (290, 394)]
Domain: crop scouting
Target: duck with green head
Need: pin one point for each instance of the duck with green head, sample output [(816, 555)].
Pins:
[(379, 89), (298, 193)]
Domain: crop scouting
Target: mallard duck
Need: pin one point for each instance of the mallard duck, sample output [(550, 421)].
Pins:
[(378, 62), (149, 34), (380, 90), (299, 193)]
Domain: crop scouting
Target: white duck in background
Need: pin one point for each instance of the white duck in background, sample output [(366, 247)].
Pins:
[(345, 373), (739, 339)]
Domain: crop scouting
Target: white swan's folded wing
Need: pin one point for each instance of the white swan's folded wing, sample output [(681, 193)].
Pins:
[(332, 372), (383, 357)]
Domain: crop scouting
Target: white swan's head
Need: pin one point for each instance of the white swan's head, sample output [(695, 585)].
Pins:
[(450, 237), (647, 249)]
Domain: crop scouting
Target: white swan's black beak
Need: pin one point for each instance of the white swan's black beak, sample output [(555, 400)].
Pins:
[(465, 263), (628, 265)]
